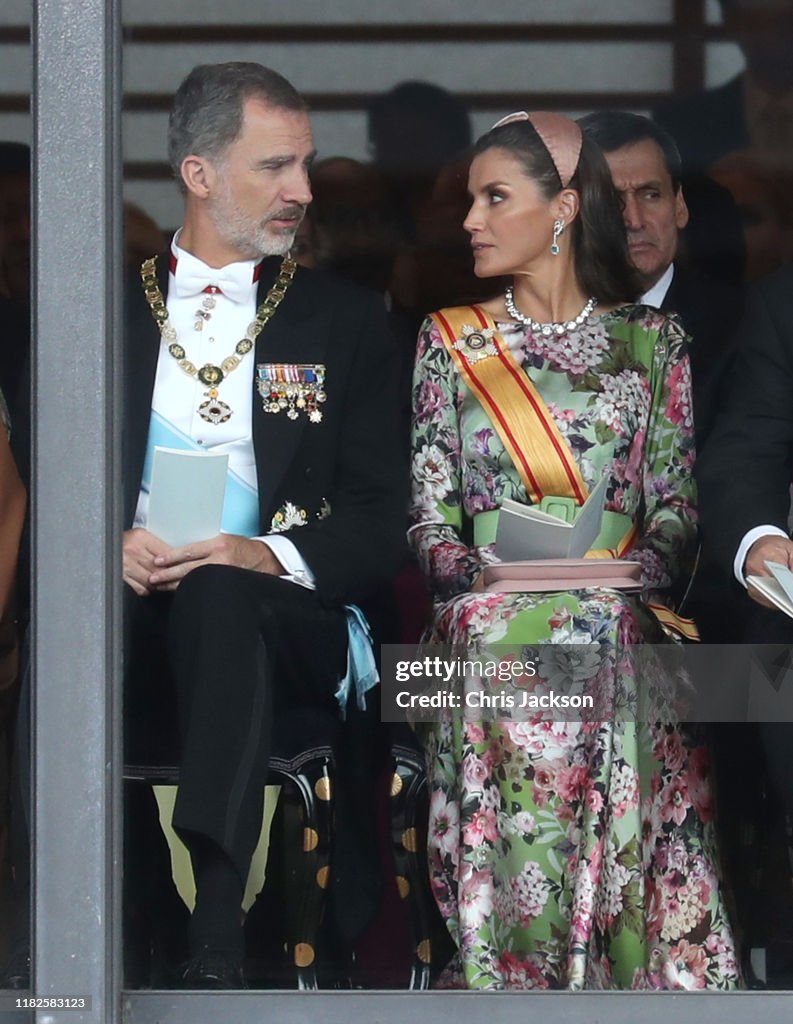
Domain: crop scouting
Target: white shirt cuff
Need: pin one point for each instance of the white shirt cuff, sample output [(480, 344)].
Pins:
[(749, 538), (290, 558)]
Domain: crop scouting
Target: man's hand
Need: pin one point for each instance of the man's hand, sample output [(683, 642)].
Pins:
[(766, 549), (173, 564), (140, 550)]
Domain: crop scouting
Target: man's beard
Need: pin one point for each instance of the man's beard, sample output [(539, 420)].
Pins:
[(250, 237)]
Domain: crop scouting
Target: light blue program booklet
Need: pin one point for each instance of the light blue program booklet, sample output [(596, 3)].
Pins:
[(186, 496)]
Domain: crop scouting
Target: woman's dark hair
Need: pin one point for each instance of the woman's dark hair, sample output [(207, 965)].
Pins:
[(599, 241)]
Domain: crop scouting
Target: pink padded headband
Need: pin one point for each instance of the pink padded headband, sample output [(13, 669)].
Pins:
[(560, 136)]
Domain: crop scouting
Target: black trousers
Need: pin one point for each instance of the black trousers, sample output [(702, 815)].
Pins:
[(208, 666), (766, 626)]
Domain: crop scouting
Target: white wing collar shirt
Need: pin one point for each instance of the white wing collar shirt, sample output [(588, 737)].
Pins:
[(655, 296), (177, 396)]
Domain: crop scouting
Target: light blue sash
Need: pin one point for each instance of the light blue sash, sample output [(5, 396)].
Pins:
[(241, 504), (241, 516), (361, 668)]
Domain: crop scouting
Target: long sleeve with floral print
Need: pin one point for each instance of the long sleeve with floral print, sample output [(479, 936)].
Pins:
[(619, 389)]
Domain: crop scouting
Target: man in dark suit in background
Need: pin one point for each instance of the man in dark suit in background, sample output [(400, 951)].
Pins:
[(646, 170), (303, 400)]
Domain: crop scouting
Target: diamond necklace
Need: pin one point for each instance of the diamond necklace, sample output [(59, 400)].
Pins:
[(213, 410), (547, 329)]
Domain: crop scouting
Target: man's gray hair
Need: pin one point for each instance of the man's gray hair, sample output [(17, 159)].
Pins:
[(206, 114)]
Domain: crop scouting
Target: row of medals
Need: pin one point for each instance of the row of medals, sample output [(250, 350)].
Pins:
[(294, 397)]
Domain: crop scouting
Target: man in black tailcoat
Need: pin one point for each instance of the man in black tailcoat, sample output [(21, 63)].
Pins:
[(302, 397)]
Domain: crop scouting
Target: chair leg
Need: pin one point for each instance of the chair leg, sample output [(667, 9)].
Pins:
[(409, 846), (307, 864), (155, 918)]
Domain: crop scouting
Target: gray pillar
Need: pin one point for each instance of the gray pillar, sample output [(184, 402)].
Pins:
[(76, 298)]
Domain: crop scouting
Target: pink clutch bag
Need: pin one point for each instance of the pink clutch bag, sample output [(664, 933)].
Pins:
[(562, 574)]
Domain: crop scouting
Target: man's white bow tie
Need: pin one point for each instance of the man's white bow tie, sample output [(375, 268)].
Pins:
[(235, 281)]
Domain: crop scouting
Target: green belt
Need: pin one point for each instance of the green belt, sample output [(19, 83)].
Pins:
[(613, 528)]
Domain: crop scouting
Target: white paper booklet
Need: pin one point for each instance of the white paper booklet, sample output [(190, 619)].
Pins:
[(186, 496), (525, 532), (777, 588)]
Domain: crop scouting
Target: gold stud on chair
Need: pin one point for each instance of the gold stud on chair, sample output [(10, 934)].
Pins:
[(410, 840), (424, 951), (323, 877), (396, 784), (403, 886), (304, 955), (322, 788), (310, 840)]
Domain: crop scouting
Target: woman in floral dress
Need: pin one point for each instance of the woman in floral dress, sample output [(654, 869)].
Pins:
[(571, 854)]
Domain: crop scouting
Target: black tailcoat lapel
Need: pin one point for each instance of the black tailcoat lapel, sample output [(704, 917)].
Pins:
[(344, 474), (297, 333), (141, 351)]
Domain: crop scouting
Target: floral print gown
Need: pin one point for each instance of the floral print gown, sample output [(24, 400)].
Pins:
[(570, 854)]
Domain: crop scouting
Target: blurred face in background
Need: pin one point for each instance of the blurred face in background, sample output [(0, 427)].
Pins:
[(304, 246), (15, 236), (762, 197), (653, 211), (764, 31)]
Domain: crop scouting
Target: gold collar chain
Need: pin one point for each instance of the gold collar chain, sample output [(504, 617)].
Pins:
[(213, 410)]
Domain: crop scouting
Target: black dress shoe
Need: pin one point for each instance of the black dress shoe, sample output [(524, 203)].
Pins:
[(16, 970), (212, 969)]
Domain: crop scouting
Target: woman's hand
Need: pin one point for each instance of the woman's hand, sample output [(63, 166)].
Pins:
[(478, 586)]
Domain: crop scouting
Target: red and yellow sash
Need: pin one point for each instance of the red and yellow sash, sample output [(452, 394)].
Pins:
[(520, 416), (523, 422), (540, 454)]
